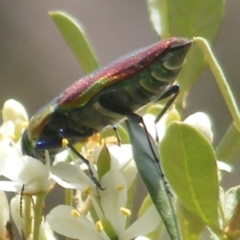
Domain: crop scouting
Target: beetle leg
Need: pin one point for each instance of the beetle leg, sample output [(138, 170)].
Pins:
[(172, 92), (134, 117), (117, 135), (65, 134), (93, 178), (138, 119), (130, 115)]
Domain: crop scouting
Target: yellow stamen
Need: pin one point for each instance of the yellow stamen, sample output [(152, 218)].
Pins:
[(103, 142), (64, 142), (12, 136), (75, 213), (120, 187), (99, 226), (25, 124), (87, 190), (86, 206), (95, 138), (112, 140), (125, 211)]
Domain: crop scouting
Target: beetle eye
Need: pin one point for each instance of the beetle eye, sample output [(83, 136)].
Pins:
[(175, 59)]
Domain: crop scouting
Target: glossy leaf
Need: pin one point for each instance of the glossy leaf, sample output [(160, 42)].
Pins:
[(232, 197), (187, 18), (76, 39), (189, 164), (104, 162), (232, 208), (220, 79), (122, 133), (157, 233), (190, 224), (131, 198), (149, 172)]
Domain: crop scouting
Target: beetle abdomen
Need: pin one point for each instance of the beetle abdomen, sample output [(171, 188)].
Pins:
[(107, 96)]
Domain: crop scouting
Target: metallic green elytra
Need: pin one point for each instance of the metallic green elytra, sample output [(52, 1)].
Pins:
[(107, 96)]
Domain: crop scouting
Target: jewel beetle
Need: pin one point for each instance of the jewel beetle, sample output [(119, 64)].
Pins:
[(107, 96)]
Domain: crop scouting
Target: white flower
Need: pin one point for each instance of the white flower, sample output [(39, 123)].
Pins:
[(46, 232), (202, 123), (198, 120), (152, 127), (141, 238), (26, 175), (20, 170), (224, 166), (160, 126), (17, 207), (110, 205), (70, 175), (14, 113), (66, 222), (4, 214), (23, 170)]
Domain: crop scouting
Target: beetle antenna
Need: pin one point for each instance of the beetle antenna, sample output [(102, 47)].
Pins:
[(21, 201)]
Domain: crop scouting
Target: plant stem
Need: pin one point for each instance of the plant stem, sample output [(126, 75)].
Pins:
[(228, 150), (69, 197), (220, 79), (38, 214), (27, 215)]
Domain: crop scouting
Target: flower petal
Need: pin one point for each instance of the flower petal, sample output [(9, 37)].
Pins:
[(15, 206), (15, 112), (143, 225), (5, 151), (202, 123), (122, 156), (113, 198), (4, 214), (78, 227), (70, 176), (28, 171)]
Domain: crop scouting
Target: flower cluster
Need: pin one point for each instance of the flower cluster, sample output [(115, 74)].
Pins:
[(93, 213)]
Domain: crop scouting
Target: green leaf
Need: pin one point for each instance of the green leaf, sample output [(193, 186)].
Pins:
[(157, 233), (187, 18), (232, 208), (220, 79), (189, 164), (76, 39), (109, 229), (190, 224), (149, 172), (131, 199), (104, 162), (122, 133), (154, 109)]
